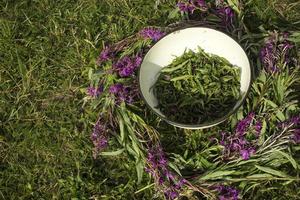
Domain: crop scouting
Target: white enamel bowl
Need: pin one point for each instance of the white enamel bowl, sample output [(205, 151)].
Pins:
[(174, 44)]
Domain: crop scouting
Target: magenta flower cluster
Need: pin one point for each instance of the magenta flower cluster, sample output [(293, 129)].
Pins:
[(243, 141), (226, 14), (126, 66), (294, 124), (122, 93), (276, 53), (191, 5), (168, 182), (94, 92), (296, 136), (99, 137), (227, 193), (105, 55), (151, 33)]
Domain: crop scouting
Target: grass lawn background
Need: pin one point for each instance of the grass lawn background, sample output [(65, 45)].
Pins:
[(46, 49)]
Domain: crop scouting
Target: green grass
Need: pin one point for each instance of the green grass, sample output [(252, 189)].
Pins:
[(46, 48)]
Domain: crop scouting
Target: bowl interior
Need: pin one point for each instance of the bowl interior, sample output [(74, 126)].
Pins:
[(174, 44)]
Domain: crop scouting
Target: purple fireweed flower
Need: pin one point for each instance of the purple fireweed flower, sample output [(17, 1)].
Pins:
[(170, 176), (191, 5), (99, 137), (296, 136), (180, 183), (94, 92), (125, 72), (169, 194), (105, 55), (151, 33), (122, 93), (226, 14), (126, 66), (246, 153), (166, 181), (292, 122), (275, 53), (116, 88), (267, 57), (186, 7), (244, 124), (258, 127), (200, 3), (285, 35), (227, 193), (237, 143), (295, 120)]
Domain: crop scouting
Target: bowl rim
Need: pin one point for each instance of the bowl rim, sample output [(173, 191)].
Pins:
[(206, 124)]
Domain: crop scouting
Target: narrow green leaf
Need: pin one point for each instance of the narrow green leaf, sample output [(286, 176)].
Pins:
[(140, 170), (144, 188), (122, 131), (264, 127), (234, 5), (280, 115), (181, 77), (288, 182), (175, 168), (247, 161), (252, 186), (170, 69), (217, 175), (290, 158), (271, 103), (260, 176), (21, 67), (90, 73), (271, 171), (174, 13), (136, 147), (113, 153)]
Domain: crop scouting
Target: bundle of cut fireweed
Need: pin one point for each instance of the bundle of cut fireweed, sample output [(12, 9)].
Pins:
[(197, 87)]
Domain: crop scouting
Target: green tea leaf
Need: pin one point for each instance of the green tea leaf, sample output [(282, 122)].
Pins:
[(181, 78), (165, 69), (188, 90)]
